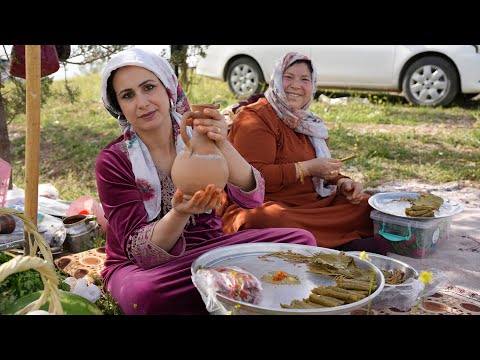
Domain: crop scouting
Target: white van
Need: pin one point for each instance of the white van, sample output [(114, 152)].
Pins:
[(427, 75)]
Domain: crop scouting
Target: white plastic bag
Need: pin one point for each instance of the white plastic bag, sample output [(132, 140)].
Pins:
[(230, 281), (407, 295), (81, 287), (48, 190)]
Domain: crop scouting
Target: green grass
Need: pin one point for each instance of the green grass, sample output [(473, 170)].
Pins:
[(393, 140)]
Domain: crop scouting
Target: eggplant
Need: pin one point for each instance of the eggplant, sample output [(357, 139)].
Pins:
[(7, 224)]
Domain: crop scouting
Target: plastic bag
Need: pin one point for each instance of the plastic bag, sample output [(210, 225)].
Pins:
[(81, 287), (48, 190), (87, 205), (50, 227), (407, 295), (5, 171), (230, 281)]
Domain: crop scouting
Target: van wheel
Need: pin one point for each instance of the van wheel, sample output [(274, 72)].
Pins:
[(430, 81), (245, 78)]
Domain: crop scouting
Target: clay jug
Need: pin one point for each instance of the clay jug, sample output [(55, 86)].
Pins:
[(201, 162)]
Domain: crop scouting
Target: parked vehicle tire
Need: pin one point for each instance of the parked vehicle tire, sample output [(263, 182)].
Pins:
[(430, 81), (244, 77)]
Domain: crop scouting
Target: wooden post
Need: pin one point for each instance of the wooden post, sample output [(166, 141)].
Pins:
[(32, 146)]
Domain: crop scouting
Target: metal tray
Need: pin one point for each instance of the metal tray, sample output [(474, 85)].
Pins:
[(246, 256), (389, 203)]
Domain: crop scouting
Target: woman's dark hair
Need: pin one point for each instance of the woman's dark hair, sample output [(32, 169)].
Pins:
[(308, 62), (111, 96)]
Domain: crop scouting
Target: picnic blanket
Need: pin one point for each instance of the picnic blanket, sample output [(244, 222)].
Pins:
[(451, 300), (87, 264), (458, 257)]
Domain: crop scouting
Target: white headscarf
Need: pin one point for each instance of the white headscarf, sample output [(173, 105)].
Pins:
[(301, 120), (146, 176)]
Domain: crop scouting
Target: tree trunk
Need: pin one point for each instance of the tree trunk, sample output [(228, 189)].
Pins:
[(4, 139), (183, 75), (178, 58)]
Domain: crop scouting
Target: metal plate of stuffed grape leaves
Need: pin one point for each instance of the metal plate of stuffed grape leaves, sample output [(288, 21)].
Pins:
[(256, 259), (393, 203)]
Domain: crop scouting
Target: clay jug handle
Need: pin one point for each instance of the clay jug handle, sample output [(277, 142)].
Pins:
[(183, 129)]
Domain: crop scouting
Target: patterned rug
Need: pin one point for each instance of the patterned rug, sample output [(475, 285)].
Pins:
[(451, 300), (87, 264)]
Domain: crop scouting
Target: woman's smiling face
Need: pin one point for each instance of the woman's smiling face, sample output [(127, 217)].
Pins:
[(297, 83)]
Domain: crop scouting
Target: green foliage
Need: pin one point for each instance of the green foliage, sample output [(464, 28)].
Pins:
[(108, 305), (88, 54), (18, 284), (180, 57), (22, 283), (14, 96), (98, 241), (106, 302)]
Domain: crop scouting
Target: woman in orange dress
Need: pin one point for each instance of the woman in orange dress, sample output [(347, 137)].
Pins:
[(289, 146)]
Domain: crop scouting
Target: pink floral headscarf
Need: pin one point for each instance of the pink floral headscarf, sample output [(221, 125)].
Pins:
[(143, 167), (302, 121)]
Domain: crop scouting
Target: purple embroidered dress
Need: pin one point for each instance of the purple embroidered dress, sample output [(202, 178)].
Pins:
[(142, 277)]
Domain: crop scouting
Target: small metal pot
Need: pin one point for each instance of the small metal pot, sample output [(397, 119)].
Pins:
[(81, 230)]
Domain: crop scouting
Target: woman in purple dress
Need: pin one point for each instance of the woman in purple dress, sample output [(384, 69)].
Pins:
[(154, 232)]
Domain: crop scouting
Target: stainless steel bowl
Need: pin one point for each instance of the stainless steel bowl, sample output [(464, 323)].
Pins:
[(387, 263), (248, 257)]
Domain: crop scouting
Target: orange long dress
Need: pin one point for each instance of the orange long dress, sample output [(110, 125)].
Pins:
[(274, 148)]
